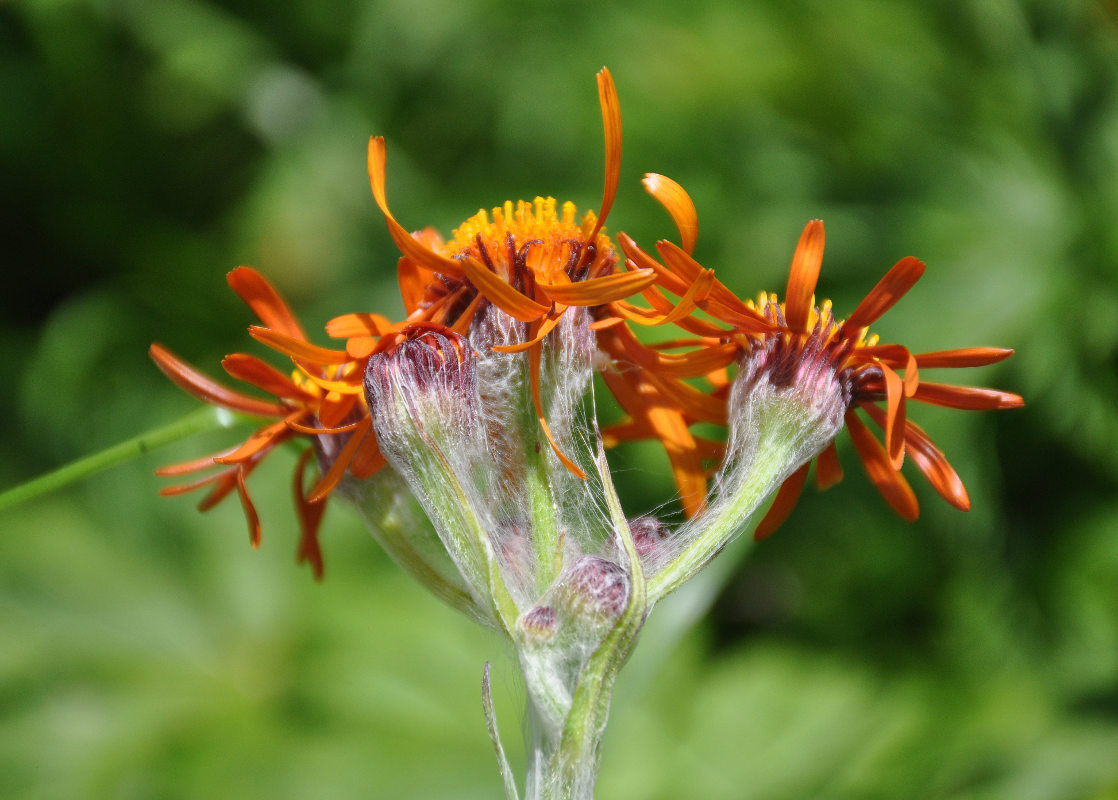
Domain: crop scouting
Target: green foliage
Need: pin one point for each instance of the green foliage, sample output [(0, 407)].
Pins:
[(149, 146)]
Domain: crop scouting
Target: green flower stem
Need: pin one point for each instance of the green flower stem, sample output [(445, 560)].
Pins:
[(204, 419), (545, 527), (782, 439), (570, 771)]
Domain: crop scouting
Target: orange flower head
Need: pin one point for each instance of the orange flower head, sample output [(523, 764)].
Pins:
[(876, 378), (320, 400), (792, 343), (531, 261)]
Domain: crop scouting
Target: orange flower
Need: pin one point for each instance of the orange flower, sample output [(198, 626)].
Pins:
[(799, 342), (324, 391), (530, 260), (527, 259)]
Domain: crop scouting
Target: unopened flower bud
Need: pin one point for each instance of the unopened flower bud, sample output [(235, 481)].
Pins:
[(432, 372), (649, 534), (595, 589), (538, 625)]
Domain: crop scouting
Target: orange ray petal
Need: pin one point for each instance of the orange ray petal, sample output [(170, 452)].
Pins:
[(337, 470), (544, 329), (828, 470), (891, 288), (803, 276), (251, 516), (194, 465), (297, 349), (966, 397), (251, 369), (898, 357), (678, 204), (930, 460), (697, 292), (694, 364), (298, 427), (226, 482), (721, 300), (411, 247), (502, 294), (635, 430), (534, 382), (262, 440), (963, 357), (611, 124), (361, 347), (413, 279), (187, 378), (641, 400), (892, 485), (697, 405), (624, 346), (353, 385), (310, 519), (348, 325), (264, 301), (894, 417), (368, 459), (335, 407), (599, 291), (642, 260), (608, 322), (183, 488), (782, 506)]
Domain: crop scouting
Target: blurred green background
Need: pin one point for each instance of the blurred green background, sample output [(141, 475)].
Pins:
[(149, 146)]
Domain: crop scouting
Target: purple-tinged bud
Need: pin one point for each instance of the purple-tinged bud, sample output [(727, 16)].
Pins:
[(539, 624), (433, 364), (423, 400), (649, 534), (595, 589)]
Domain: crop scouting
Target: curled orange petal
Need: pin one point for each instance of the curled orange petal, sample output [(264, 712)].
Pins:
[(297, 349), (892, 485), (599, 291), (251, 516), (310, 519), (251, 369), (264, 301), (611, 124), (898, 357), (828, 470), (894, 417), (930, 460), (411, 247), (678, 204), (502, 294), (337, 470)]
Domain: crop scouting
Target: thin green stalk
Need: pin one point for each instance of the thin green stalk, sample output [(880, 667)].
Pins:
[(204, 419)]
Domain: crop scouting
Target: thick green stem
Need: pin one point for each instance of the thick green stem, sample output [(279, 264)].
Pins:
[(204, 419), (566, 768), (785, 434)]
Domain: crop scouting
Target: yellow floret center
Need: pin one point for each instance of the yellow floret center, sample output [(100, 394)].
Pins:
[(553, 236)]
